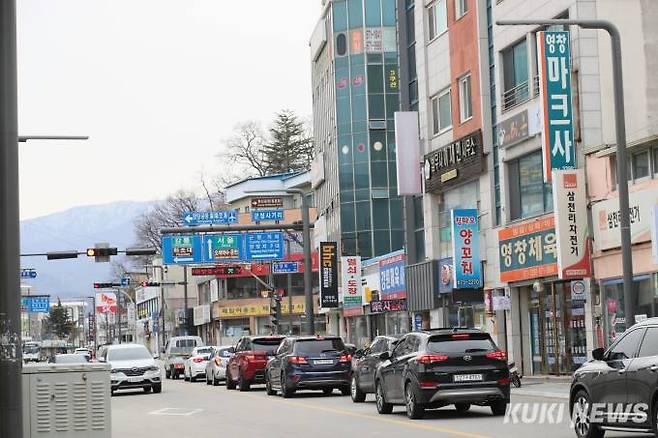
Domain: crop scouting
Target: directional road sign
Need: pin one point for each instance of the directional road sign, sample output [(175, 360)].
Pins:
[(210, 217), (266, 215), (225, 247), (180, 250), (36, 304), (264, 246), (28, 273), (125, 281), (285, 267)]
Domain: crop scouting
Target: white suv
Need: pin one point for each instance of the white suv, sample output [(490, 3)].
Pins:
[(133, 366)]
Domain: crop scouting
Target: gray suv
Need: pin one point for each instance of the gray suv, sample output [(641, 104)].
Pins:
[(618, 388)]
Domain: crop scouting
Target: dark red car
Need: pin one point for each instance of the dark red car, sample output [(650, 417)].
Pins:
[(247, 366)]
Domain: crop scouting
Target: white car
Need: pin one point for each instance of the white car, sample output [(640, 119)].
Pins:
[(133, 367), (84, 352), (216, 366), (195, 365)]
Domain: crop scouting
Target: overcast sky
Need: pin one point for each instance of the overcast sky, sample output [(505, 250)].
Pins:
[(156, 84)]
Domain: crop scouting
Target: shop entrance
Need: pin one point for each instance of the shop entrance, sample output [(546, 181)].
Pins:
[(557, 329)]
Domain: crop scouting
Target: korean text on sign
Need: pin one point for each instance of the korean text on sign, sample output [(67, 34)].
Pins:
[(466, 249)]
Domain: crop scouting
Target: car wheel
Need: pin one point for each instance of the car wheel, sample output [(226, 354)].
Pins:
[(581, 411), (462, 407), (499, 407), (230, 383), (167, 374), (415, 410), (244, 384), (147, 389), (286, 391), (358, 396), (215, 381), (157, 389), (327, 391), (380, 400), (268, 385)]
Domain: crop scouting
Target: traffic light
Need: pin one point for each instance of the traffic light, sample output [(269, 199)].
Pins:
[(275, 312), (150, 284), (101, 254), (106, 285)]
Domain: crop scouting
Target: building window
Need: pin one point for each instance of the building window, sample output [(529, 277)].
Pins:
[(438, 18), (529, 195), (465, 106), (642, 165), (441, 112), (515, 75), (461, 7)]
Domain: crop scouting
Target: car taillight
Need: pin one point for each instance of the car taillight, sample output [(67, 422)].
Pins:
[(197, 360), (298, 360), (461, 336), (498, 355), (503, 381), (218, 361), (250, 357), (428, 385), (431, 358), (345, 358)]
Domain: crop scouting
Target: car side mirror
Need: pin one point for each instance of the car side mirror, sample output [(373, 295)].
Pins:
[(385, 356), (598, 354)]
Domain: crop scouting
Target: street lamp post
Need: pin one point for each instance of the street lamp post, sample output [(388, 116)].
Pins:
[(620, 128)]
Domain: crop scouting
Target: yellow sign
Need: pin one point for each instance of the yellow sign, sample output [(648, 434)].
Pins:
[(257, 310), (452, 174)]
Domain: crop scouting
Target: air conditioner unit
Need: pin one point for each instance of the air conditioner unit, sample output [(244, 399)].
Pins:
[(66, 401)]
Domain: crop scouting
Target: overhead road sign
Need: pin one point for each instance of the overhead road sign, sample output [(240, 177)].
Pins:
[(258, 216), (210, 217), (178, 250), (223, 247), (264, 246), (36, 303), (285, 267)]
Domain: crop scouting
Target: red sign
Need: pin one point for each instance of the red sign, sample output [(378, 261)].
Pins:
[(106, 302)]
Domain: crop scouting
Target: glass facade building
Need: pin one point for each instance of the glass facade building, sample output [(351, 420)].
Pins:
[(366, 73)]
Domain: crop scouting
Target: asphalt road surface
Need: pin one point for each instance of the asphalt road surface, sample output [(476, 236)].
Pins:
[(196, 410)]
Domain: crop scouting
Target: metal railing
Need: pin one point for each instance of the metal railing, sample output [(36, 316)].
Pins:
[(515, 96), (535, 85)]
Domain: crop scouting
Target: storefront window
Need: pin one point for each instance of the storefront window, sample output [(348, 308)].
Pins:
[(465, 196), (357, 330), (234, 328), (613, 304), (397, 323)]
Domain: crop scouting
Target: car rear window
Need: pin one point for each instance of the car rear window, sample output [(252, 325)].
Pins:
[(184, 346), (204, 350), (316, 346), (269, 345), (224, 352), (461, 343)]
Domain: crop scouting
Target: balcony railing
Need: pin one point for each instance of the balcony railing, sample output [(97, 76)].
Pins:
[(515, 96), (535, 86)]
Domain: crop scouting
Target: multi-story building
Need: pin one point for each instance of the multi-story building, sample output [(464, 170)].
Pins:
[(356, 89)]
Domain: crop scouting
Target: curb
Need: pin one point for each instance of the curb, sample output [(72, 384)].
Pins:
[(545, 394)]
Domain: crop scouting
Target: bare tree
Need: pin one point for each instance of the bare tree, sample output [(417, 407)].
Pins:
[(166, 214), (245, 148)]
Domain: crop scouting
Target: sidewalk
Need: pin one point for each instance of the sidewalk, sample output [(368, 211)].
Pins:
[(549, 387)]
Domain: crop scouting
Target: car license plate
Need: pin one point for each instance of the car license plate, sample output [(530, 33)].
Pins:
[(135, 379), (323, 362), (468, 378)]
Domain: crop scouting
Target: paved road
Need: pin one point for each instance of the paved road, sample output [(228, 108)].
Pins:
[(194, 410)]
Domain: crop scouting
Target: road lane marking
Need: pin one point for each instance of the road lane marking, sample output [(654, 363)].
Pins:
[(378, 418), (177, 412)]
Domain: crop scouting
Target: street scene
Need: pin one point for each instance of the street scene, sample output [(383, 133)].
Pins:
[(322, 217)]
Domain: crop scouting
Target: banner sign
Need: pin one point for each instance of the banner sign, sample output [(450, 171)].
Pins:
[(570, 204), (106, 302), (445, 275), (554, 61), (388, 306), (454, 163), (528, 250), (351, 282), (328, 274), (467, 270), (513, 130), (391, 277)]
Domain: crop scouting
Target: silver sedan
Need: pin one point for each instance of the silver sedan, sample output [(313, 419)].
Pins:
[(216, 366)]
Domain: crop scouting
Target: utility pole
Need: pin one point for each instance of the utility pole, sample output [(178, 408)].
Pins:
[(119, 313), (186, 303), (620, 128), (11, 403)]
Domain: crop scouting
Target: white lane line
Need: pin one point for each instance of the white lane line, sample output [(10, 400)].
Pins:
[(178, 412)]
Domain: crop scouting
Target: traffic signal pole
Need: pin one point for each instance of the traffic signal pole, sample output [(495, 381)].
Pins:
[(11, 419)]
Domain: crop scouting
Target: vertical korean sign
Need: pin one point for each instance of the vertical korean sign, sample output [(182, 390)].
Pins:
[(571, 224), (554, 60), (352, 287), (467, 272), (328, 274)]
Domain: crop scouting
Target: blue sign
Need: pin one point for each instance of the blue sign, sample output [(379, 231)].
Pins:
[(264, 246), (227, 247), (125, 281), (266, 215), (418, 322), (210, 217), (467, 270), (28, 273), (180, 250), (392, 278), (285, 267), (555, 98), (36, 304)]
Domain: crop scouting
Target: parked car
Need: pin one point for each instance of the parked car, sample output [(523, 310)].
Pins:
[(622, 382), (195, 365), (247, 366), (176, 351), (132, 366), (31, 351), (309, 363), (84, 352), (436, 368), (364, 365), (216, 366), (70, 358)]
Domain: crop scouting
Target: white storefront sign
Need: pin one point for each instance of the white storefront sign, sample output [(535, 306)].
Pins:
[(352, 282), (606, 219), (570, 204), (214, 290), (202, 314), (501, 303)]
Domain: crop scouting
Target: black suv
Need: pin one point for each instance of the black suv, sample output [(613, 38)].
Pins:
[(309, 363), (618, 389), (364, 366), (436, 368)]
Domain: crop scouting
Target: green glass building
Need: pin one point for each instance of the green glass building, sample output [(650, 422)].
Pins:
[(355, 95)]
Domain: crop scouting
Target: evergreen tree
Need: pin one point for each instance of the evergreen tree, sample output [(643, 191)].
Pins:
[(290, 147), (58, 323)]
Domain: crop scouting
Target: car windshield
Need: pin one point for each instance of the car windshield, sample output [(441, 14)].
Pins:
[(203, 351), (268, 345), (183, 346), (130, 353), (316, 346), (70, 358), (461, 343), (30, 349)]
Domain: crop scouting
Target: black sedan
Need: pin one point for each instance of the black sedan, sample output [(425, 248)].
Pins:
[(319, 363), (364, 365), (436, 368)]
